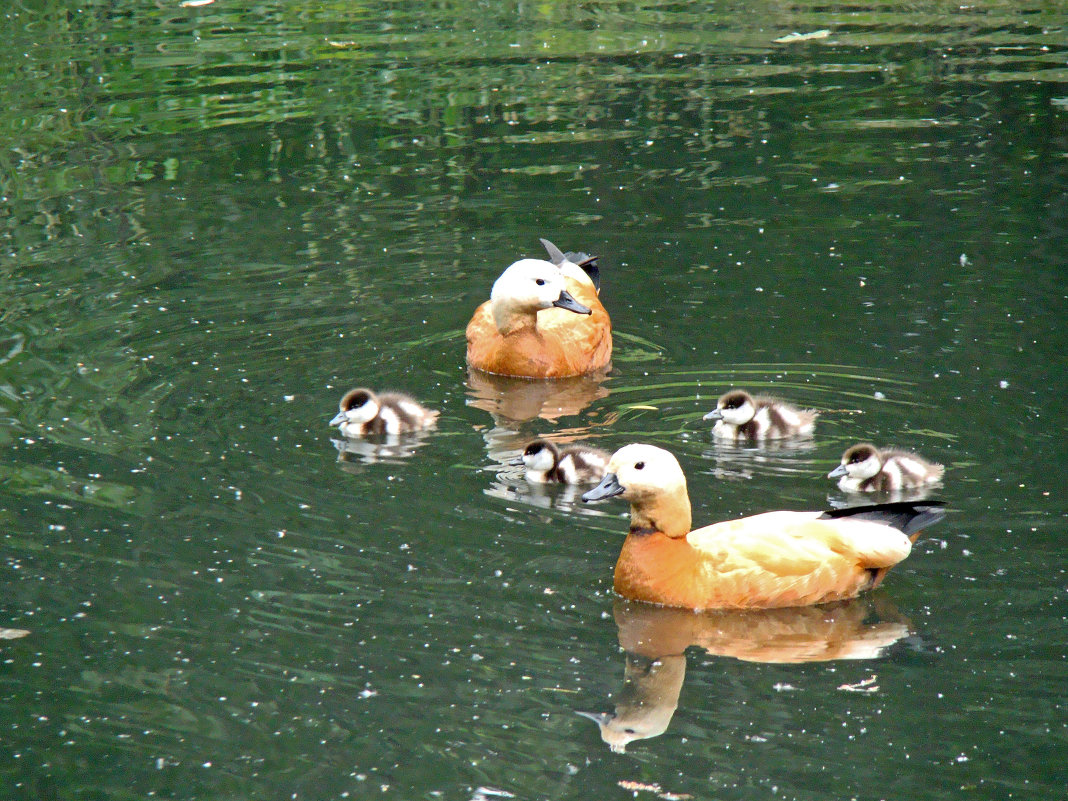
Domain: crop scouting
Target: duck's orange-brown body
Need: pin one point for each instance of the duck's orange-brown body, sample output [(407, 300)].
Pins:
[(765, 561), (758, 569), (551, 343)]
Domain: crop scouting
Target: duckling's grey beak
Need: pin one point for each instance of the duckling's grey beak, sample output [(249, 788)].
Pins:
[(608, 488), (715, 414), (339, 418), (516, 462), (567, 301), (838, 472)]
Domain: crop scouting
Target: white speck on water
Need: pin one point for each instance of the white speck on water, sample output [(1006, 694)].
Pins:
[(1003, 384), (879, 395)]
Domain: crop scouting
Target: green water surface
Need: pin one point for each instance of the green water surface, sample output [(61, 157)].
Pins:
[(215, 219)]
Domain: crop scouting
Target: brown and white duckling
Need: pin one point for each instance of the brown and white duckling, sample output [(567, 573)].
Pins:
[(577, 464), (739, 415), (362, 412), (865, 468)]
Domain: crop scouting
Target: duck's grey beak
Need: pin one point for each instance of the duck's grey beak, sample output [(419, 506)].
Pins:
[(600, 718), (608, 488), (516, 462), (566, 301), (837, 472), (339, 418), (715, 414)]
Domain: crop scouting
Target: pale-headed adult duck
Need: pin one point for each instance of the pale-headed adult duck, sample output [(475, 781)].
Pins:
[(774, 559)]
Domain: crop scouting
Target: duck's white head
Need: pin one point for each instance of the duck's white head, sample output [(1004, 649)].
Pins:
[(736, 407), (639, 472), (652, 480), (859, 462), (540, 456), (529, 286), (358, 406)]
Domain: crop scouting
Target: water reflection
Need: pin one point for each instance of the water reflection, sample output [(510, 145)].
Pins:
[(387, 448), (512, 401), (654, 640), (844, 499), (787, 457)]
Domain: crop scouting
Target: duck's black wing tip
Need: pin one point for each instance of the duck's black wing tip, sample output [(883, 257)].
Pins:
[(907, 516)]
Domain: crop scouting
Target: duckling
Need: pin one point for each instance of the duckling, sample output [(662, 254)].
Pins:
[(363, 412), (865, 468), (540, 322), (740, 415), (769, 560), (578, 464)]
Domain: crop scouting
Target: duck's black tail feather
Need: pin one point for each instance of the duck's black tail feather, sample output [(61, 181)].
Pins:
[(907, 516), (584, 260)]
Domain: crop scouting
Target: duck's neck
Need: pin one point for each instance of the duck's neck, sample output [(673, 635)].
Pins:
[(511, 318), (668, 513)]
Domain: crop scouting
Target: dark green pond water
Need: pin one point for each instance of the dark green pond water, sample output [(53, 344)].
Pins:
[(216, 219)]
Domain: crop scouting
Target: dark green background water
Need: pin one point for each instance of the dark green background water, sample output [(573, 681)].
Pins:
[(215, 220)]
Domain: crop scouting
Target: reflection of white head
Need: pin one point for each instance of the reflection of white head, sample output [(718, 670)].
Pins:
[(646, 704)]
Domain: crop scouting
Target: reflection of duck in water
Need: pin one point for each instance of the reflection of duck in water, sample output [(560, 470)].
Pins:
[(390, 449), (767, 560), (865, 468), (655, 638), (515, 400), (542, 320), (741, 416)]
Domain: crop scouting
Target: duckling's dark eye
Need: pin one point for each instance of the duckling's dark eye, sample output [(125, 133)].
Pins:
[(639, 466), (540, 281)]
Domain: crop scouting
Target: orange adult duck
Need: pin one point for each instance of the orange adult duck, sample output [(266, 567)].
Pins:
[(768, 560), (542, 320)]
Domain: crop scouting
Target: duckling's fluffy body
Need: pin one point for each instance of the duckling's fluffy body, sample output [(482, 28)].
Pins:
[(541, 321), (865, 468), (775, 559), (577, 464), (740, 415), (362, 412)]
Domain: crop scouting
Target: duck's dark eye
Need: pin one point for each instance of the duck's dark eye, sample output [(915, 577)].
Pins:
[(540, 281), (639, 466)]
